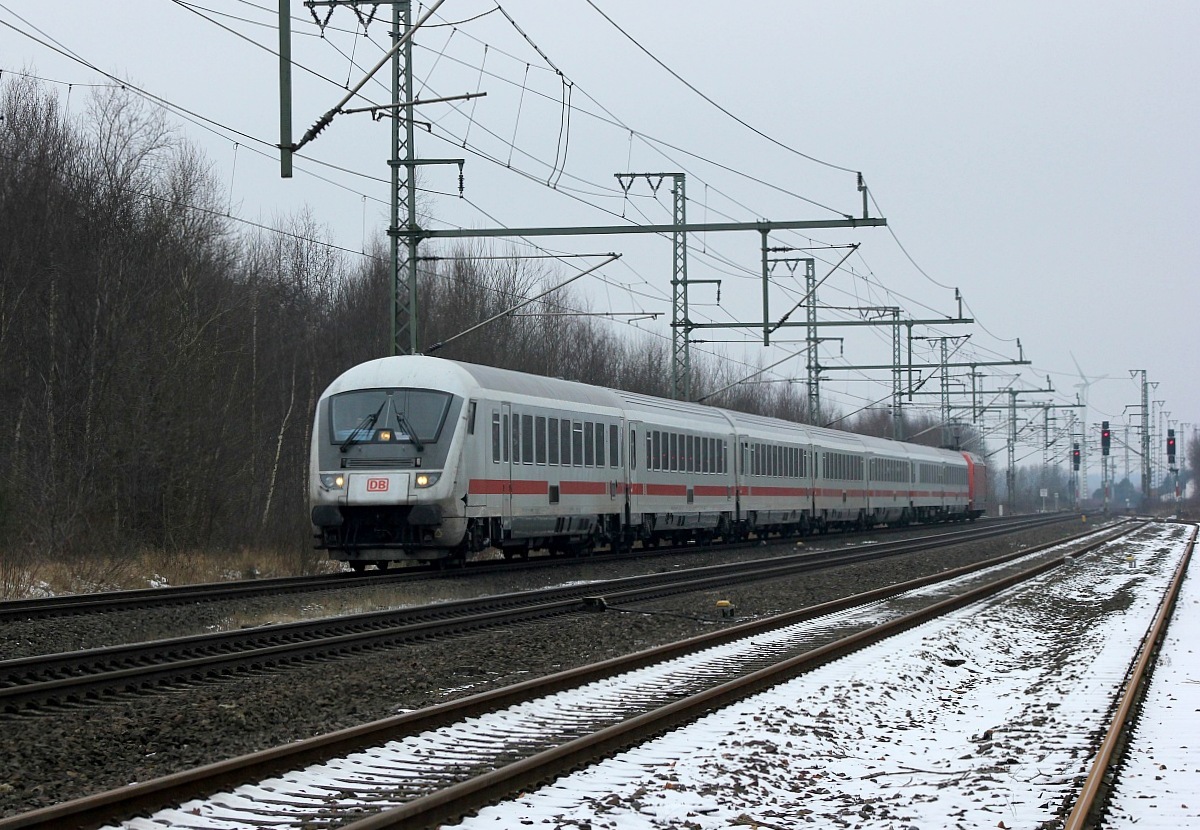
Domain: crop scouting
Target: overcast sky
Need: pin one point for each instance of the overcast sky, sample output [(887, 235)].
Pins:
[(1039, 157)]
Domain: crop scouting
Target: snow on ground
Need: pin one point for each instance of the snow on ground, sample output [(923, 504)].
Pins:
[(1159, 784), (984, 719)]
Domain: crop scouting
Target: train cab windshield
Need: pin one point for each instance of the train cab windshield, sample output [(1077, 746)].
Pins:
[(382, 416)]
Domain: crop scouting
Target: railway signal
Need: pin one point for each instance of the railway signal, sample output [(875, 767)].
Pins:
[(1171, 447), (1105, 438), (1075, 458)]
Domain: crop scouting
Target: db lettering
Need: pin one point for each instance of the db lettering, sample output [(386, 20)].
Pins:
[(377, 485)]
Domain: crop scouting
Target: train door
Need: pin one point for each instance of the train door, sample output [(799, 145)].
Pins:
[(635, 463), (508, 430)]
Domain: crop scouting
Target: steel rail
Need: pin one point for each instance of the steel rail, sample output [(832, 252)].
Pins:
[(1095, 785), (79, 676), (144, 797), (453, 802), (124, 600)]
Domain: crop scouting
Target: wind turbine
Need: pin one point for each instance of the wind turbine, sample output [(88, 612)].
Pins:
[(1083, 402)]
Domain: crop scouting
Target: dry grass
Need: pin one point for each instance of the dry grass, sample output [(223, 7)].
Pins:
[(25, 575)]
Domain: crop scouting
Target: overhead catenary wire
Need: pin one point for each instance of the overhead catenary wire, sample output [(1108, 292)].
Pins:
[(559, 175)]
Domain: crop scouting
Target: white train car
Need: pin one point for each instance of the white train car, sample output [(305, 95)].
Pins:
[(681, 483), (420, 457)]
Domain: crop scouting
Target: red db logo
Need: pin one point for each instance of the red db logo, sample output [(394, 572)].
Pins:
[(377, 485)]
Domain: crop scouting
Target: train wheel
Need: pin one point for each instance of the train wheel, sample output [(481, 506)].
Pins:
[(381, 565), (358, 566)]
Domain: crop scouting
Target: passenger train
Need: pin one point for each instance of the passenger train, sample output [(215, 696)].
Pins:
[(419, 457)]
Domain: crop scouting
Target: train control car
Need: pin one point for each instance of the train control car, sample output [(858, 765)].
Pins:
[(424, 458)]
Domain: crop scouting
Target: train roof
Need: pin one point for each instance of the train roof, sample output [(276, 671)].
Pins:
[(468, 379)]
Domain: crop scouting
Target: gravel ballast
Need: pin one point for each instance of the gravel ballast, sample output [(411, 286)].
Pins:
[(70, 752)]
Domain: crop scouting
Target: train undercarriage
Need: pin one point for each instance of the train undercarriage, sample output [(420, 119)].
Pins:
[(375, 536)]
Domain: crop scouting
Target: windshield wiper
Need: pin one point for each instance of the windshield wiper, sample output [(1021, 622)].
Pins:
[(412, 433), (365, 424)]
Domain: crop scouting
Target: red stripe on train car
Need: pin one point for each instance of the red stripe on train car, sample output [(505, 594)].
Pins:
[(583, 488), (791, 492), (502, 486), (710, 490)]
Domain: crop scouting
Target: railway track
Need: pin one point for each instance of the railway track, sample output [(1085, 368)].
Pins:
[(30, 683), (438, 763), (111, 601), (1105, 772)]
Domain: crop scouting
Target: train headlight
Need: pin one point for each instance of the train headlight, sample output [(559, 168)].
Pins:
[(427, 479), (333, 481)]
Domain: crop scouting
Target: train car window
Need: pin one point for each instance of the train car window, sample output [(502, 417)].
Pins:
[(654, 450), (690, 457), (589, 445), (614, 445), (633, 449), (599, 445), (495, 437), (577, 443), (564, 434), (471, 418), (702, 445), (526, 439), (368, 416), (553, 436), (539, 440), (673, 461)]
